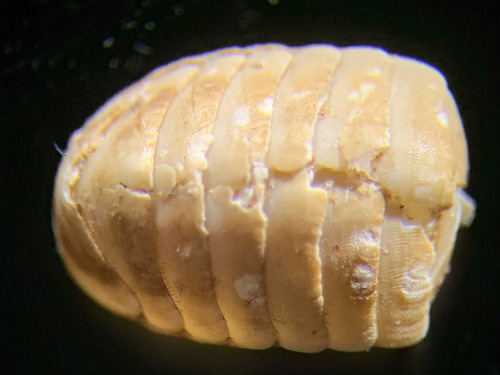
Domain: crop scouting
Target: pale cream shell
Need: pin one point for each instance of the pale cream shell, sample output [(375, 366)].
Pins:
[(304, 197)]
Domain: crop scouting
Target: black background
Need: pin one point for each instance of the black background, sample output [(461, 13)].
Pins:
[(55, 71)]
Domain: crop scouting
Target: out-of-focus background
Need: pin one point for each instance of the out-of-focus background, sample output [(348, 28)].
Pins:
[(60, 60)]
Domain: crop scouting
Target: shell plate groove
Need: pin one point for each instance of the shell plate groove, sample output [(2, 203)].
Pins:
[(303, 197)]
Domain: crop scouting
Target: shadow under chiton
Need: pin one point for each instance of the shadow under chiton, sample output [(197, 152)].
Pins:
[(305, 197)]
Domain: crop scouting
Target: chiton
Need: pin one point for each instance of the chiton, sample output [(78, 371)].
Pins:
[(304, 197)]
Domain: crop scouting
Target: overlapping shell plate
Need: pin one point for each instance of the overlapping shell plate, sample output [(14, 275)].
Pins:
[(306, 197)]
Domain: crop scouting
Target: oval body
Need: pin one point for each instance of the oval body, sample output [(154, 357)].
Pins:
[(303, 197)]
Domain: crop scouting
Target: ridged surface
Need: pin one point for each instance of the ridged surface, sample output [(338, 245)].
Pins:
[(305, 197)]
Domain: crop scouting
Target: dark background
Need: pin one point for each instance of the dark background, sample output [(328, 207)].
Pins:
[(59, 63)]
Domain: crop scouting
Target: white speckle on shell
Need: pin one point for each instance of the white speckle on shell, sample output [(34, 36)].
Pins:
[(250, 289), (442, 117), (363, 280), (184, 251), (416, 285), (266, 106)]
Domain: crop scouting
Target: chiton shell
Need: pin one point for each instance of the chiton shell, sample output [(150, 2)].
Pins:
[(303, 197)]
